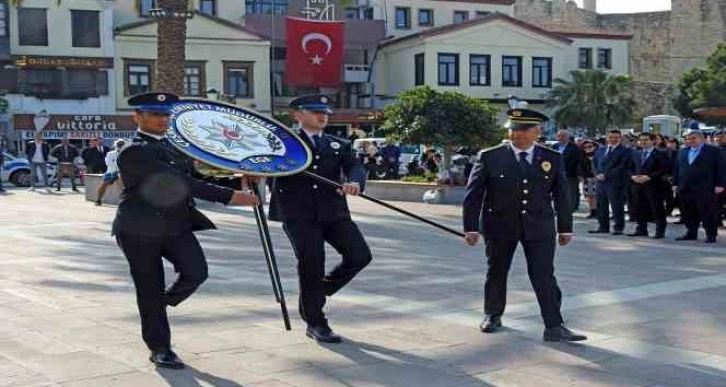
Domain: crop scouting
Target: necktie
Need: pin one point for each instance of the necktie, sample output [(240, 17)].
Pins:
[(523, 163), (608, 151), (316, 140), (166, 144), (692, 155), (65, 151), (645, 157)]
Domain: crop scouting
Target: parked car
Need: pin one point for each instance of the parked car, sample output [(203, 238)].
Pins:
[(16, 171)]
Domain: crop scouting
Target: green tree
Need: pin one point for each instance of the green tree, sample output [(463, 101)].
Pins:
[(594, 100), (704, 87), (447, 119)]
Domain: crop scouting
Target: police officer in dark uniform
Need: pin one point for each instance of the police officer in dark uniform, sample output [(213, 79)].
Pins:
[(509, 201), (314, 213), (156, 219)]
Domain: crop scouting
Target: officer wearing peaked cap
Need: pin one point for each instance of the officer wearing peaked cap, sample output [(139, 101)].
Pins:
[(156, 218), (508, 200), (314, 213)]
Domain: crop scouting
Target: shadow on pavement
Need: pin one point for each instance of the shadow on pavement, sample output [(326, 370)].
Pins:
[(191, 377)]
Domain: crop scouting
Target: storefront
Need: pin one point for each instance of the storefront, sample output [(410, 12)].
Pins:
[(77, 128)]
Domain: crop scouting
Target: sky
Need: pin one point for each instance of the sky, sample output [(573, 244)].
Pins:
[(630, 6)]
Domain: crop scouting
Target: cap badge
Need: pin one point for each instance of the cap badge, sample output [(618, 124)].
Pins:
[(546, 166), (335, 145), (161, 98), (324, 99)]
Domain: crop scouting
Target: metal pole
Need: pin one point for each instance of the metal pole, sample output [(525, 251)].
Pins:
[(389, 206)]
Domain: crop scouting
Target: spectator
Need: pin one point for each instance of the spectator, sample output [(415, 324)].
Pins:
[(648, 186), (111, 174), (590, 147), (94, 156), (573, 158), (37, 152), (391, 154), (611, 166), (66, 155)]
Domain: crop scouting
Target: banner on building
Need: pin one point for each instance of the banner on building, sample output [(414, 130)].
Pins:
[(78, 127), (314, 52)]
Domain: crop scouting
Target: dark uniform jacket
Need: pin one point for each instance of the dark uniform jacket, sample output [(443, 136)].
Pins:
[(159, 186), (503, 202), (302, 197), (707, 171)]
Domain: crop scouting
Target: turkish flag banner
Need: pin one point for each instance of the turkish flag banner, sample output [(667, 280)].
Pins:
[(314, 52)]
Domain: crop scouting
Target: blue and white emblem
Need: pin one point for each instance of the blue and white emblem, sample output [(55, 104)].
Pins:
[(236, 139)]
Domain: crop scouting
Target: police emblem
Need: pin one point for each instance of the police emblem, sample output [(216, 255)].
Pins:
[(236, 139), (161, 97), (546, 166), (324, 100), (335, 145)]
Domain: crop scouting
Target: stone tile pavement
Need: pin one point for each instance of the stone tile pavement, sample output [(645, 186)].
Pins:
[(655, 310)]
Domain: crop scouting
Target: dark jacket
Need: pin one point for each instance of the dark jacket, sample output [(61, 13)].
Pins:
[(30, 151), (707, 171), (573, 158), (614, 166), (65, 155), (159, 187), (94, 159), (302, 197), (504, 203), (657, 167)]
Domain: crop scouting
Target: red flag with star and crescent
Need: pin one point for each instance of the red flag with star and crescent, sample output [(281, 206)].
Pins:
[(314, 52)]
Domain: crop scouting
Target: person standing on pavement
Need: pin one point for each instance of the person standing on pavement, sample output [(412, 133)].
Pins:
[(648, 173), (699, 176), (611, 172), (574, 164), (38, 152), (157, 218), (509, 200), (66, 154), (111, 174), (94, 156), (313, 213)]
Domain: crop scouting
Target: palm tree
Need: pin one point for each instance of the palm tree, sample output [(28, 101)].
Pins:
[(593, 99), (171, 47)]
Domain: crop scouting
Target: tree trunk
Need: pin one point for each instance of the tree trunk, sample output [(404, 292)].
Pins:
[(171, 45)]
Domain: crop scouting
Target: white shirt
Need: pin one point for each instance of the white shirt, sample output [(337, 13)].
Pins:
[(111, 165), (156, 136), (38, 155), (517, 151), (311, 134)]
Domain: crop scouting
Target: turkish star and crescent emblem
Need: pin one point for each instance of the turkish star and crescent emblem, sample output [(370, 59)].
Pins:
[(316, 36)]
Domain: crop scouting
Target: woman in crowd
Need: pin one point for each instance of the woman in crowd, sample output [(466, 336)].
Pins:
[(589, 147)]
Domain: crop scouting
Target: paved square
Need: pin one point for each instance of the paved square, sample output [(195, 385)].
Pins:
[(655, 311)]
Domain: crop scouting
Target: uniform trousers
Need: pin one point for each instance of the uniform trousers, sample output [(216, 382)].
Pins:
[(144, 255), (308, 239), (540, 268)]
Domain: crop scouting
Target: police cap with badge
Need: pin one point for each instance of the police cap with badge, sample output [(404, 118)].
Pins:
[(319, 103), (522, 119), (159, 103)]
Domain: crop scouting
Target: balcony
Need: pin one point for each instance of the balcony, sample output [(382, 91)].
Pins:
[(355, 73)]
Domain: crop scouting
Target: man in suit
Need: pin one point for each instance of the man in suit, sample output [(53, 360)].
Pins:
[(574, 164), (314, 213), (66, 154), (648, 172), (699, 177), (38, 152), (508, 200), (156, 218), (94, 156), (720, 140), (611, 173)]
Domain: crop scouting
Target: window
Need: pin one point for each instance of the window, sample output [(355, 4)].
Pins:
[(512, 71), (32, 27), (3, 19), (63, 84), (461, 16), (449, 69), (585, 58), (279, 53), (145, 6), (85, 27), (419, 67), (541, 72), (87, 83), (238, 79), (482, 13), (138, 77), (480, 70), (194, 79), (368, 13), (351, 13), (426, 17), (266, 6), (403, 18), (208, 6), (604, 58), (46, 83)]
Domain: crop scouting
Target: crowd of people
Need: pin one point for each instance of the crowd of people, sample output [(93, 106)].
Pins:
[(646, 177)]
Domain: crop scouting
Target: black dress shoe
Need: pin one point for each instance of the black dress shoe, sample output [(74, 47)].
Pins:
[(562, 333), (598, 231), (710, 239), (638, 234), (166, 358), (489, 324), (686, 237), (323, 334), (618, 232)]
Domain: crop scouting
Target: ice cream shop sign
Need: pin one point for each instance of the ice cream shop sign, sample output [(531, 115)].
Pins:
[(78, 126)]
